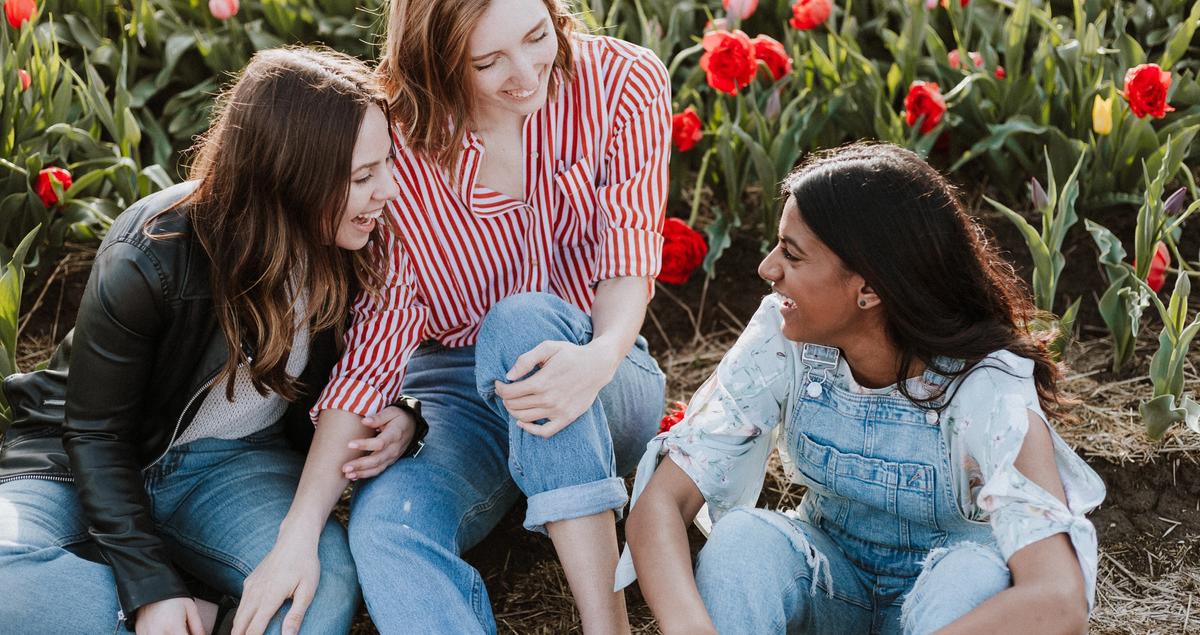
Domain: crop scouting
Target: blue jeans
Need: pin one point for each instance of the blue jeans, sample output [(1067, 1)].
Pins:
[(409, 525), (762, 572), (879, 544), (217, 505)]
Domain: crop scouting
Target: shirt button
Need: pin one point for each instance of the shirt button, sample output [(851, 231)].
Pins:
[(931, 416), (534, 154)]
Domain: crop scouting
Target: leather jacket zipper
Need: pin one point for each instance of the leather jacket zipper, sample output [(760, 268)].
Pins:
[(179, 422)]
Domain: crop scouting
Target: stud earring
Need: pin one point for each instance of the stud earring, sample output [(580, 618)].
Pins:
[(862, 304)]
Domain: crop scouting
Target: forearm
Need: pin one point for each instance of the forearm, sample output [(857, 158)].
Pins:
[(617, 315), (657, 535), (322, 482), (1023, 609)]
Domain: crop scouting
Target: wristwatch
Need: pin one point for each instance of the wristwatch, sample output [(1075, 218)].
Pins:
[(412, 406)]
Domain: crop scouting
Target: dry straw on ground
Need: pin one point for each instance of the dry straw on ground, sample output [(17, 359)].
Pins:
[(530, 593)]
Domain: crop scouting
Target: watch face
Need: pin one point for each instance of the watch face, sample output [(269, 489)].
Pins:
[(820, 356)]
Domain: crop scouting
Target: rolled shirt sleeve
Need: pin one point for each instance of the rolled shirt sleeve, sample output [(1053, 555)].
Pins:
[(384, 331), (1019, 510), (727, 433), (633, 195)]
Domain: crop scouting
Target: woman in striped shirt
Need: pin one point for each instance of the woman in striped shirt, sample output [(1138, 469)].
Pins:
[(532, 164)]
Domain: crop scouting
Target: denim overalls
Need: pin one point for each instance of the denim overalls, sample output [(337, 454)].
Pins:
[(880, 499)]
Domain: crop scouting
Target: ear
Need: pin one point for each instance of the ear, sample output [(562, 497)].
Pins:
[(867, 298)]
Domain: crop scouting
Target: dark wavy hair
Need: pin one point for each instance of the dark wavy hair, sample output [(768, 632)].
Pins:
[(273, 177), (945, 290)]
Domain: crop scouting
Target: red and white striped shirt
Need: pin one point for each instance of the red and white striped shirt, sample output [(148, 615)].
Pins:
[(595, 193)]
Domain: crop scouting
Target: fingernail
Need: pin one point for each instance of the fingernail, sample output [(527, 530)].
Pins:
[(368, 420), (353, 446)]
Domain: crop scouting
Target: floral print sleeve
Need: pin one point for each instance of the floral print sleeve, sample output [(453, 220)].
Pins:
[(725, 438), (990, 430)]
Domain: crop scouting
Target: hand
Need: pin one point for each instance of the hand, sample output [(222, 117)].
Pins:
[(174, 616), (290, 570), (566, 384), (393, 431)]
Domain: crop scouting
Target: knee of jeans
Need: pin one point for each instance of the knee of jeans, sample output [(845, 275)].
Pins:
[(953, 581), (748, 544), (516, 324)]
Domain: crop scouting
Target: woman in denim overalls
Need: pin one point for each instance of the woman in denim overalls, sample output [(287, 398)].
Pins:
[(893, 371)]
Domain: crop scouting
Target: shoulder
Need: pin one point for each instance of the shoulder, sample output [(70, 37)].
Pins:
[(999, 391), (625, 68), (130, 225)]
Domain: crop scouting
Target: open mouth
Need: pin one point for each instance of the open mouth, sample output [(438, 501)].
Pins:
[(788, 303), (366, 222), (521, 94)]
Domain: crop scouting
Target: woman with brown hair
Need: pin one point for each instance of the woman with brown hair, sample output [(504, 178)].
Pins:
[(210, 322), (532, 166)]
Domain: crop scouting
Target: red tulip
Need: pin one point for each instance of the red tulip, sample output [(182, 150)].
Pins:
[(1157, 276), (674, 415), (24, 78), (739, 9), (1146, 90), (810, 14), (770, 52), (686, 129), (223, 9), (728, 61), (924, 98), (45, 190), (18, 11), (683, 251)]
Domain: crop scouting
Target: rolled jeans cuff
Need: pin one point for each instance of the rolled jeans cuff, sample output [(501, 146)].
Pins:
[(575, 501)]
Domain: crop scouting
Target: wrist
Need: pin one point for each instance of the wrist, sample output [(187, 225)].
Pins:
[(299, 532), (608, 353)]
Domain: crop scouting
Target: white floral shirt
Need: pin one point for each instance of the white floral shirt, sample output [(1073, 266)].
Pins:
[(733, 421)]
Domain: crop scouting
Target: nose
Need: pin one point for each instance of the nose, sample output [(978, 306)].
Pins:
[(525, 71), (389, 189), (767, 269)]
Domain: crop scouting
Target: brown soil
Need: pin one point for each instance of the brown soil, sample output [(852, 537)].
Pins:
[(1148, 527)]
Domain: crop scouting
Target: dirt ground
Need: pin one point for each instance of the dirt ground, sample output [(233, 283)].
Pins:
[(1149, 525)]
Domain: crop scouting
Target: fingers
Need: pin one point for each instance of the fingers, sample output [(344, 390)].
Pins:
[(374, 444), (295, 615), (531, 360), (544, 430), (371, 464), (383, 417), (532, 414), (195, 626)]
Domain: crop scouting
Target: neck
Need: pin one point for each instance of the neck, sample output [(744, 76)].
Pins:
[(875, 361), (487, 124)]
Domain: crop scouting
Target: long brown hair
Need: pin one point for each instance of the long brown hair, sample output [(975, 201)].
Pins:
[(426, 69), (273, 173), (946, 291)]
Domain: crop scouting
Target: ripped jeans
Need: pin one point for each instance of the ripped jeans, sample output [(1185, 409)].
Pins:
[(795, 579)]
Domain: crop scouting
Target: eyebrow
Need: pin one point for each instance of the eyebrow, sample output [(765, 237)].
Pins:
[(541, 23), (791, 244), (372, 164)]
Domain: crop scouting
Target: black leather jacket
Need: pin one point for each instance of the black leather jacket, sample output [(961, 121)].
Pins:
[(146, 347)]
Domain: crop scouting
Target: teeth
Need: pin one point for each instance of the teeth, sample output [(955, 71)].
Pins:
[(521, 94)]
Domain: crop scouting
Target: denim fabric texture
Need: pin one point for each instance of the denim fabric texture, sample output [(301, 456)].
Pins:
[(410, 525), (216, 503), (880, 509)]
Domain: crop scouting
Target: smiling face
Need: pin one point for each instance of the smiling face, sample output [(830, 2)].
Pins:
[(821, 295), (371, 182), (511, 52)]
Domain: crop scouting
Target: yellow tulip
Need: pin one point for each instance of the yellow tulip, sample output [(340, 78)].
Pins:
[(1102, 115)]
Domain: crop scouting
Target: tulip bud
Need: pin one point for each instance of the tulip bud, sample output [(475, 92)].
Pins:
[(1102, 121), (223, 9), (25, 79), (1038, 194), (1174, 202)]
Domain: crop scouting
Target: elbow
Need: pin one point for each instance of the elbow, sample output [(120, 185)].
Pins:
[(1067, 607)]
